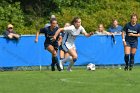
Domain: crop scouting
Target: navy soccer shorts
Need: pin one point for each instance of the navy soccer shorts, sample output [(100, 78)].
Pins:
[(132, 44), (54, 44)]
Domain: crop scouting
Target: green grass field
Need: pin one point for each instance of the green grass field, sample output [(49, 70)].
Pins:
[(78, 81)]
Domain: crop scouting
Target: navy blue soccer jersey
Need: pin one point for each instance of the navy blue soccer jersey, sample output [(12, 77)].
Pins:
[(49, 34), (128, 28)]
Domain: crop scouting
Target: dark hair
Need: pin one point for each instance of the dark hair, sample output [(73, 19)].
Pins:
[(134, 15), (75, 19), (114, 20), (53, 19)]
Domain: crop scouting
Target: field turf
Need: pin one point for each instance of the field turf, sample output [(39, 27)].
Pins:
[(78, 81)]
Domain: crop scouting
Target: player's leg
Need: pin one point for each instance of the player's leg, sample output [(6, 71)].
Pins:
[(70, 48), (66, 54), (63, 55), (132, 55), (51, 49), (55, 45), (126, 56), (61, 58), (72, 52), (66, 49), (74, 55)]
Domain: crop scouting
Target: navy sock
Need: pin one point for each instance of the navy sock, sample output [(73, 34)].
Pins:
[(126, 58), (54, 60), (132, 59), (61, 58), (74, 60)]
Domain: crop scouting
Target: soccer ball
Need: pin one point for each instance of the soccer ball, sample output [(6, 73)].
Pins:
[(91, 66)]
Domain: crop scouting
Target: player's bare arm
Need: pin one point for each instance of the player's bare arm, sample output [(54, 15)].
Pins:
[(36, 39), (123, 38), (59, 40), (57, 33), (88, 34), (134, 35)]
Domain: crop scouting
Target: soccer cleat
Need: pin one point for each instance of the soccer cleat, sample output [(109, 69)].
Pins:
[(69, 70), (52, 67), (126, 68), (130, 67), (61, 65), (58, 67)]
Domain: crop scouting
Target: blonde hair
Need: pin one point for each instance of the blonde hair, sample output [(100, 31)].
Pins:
[(10, 25)]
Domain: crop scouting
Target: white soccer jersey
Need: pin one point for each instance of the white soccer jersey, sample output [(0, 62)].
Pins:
[(70, 34)]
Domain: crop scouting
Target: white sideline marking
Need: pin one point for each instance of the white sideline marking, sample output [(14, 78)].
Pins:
[(68, 80)]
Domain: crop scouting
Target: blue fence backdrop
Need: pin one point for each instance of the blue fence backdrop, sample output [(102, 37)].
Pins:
[(97, 49)]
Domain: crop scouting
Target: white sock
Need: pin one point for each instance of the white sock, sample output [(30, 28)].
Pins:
[(70, 65), (69, 58), (61, 64)]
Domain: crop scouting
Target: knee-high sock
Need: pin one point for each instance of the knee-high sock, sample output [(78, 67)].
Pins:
[(132, 59), (69, 58), (54, 60), (126, 58), (71, 63)]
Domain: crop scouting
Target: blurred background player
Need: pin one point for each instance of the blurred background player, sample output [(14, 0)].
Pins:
[(68, 45), (63, 54), (130, 41), (49, 44)]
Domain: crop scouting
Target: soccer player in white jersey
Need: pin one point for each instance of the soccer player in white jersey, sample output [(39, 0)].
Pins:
[(68, 45)]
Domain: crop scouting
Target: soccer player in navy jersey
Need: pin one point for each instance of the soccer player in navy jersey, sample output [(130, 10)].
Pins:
[(49, 44), (130, 41)]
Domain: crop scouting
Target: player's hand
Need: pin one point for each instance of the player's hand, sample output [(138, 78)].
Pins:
[(91, 33), (110, 33), (124, 43), (36, 40), (130, 34), (53, 38), (59, 43)]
